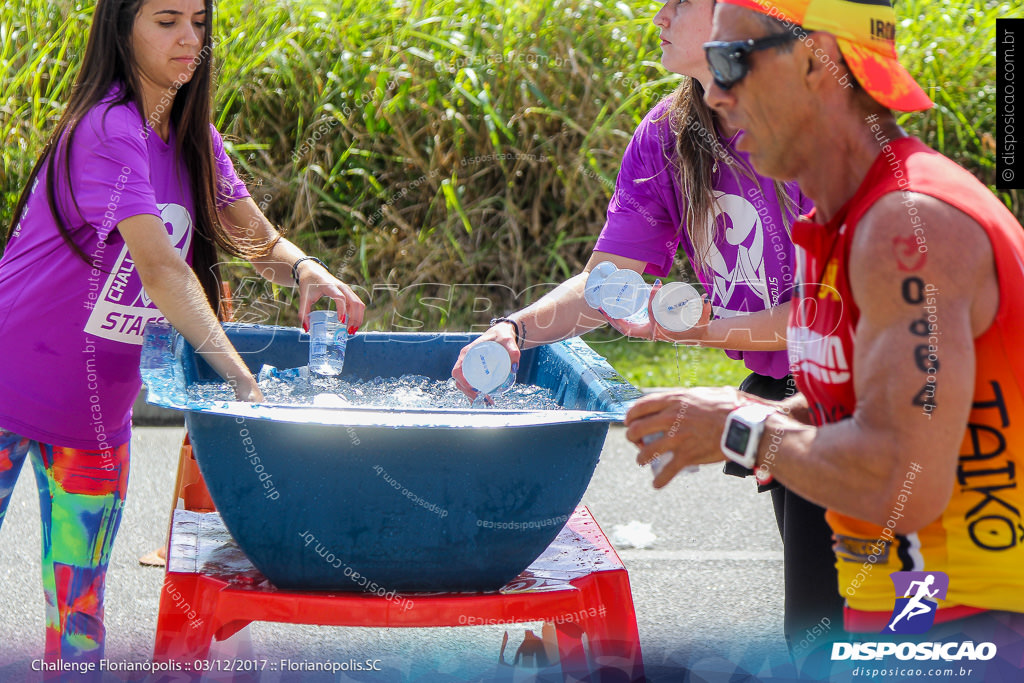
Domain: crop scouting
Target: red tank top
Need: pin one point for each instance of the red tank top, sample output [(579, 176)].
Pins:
[(979, 538)]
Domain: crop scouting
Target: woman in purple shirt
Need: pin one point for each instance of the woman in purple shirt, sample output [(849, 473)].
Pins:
[(118, 226), (683, 183)]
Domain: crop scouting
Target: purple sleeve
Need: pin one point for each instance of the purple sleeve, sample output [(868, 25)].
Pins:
[(110, 170), (230, 187), (643, 220)]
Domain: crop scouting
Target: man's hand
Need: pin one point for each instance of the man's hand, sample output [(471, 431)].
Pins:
[(691, 421)]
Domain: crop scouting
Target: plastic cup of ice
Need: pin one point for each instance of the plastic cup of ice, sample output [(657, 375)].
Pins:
[(624, 295), (677, 306), (596, 278), (487, 368)]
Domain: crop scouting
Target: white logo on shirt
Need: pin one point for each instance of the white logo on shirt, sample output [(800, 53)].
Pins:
[(745, 231), (24, 213), (123, 307), (821, 357)]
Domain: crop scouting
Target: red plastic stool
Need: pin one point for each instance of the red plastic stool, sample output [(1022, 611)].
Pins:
[(579, 584)]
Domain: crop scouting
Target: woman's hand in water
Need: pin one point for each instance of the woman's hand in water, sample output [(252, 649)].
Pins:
[(248, 391)]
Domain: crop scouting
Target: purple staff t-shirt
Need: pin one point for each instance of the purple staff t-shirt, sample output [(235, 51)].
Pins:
[(70, 334), (751, 263)]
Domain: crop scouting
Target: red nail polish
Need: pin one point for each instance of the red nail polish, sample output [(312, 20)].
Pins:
[(352, 329)]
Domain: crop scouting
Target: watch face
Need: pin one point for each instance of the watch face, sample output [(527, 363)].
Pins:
[(738, 437)]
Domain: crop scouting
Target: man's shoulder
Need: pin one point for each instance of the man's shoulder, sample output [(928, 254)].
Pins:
[(914, 186), (933, 221), (905, 239)]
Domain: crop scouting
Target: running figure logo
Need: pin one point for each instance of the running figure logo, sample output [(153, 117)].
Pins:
[(914, 612)]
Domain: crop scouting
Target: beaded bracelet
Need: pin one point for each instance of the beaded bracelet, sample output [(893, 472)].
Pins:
[(520, 334), (295, 266)]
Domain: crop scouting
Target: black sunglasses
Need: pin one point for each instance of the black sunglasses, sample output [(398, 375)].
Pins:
[(729, 60)]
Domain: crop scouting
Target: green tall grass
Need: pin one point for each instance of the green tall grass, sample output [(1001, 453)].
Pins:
[(949, 47), (653, 364), (424, 146)]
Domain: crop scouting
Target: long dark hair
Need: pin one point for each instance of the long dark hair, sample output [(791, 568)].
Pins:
[(696, 156), (109, 61)]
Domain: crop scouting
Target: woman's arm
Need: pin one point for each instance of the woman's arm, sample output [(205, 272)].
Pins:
[(563, 312), (760, 331), (560, 314), (176, 291), (245, 220)]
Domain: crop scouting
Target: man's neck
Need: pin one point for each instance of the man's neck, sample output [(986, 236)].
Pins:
[(851, 146)]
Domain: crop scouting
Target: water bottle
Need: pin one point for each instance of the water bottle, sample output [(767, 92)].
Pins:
[(677, 306), (488, 368), (327, 341), (269, 372)]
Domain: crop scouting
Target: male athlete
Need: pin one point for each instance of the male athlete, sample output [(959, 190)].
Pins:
[(905, 334)]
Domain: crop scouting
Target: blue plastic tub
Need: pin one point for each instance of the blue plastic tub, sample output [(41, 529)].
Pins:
[(391, 500)]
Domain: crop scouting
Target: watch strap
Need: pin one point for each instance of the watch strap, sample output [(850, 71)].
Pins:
[(734, 469)]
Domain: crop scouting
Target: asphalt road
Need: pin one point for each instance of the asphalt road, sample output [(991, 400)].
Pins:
[(707, 591)]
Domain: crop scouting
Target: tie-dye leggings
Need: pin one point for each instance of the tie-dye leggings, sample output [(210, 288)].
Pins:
[(81, 496)]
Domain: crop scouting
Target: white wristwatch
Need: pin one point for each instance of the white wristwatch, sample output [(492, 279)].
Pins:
[(742, 434)]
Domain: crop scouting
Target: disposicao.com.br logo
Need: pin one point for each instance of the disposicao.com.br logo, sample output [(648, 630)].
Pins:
[(914, 613), (915, 610)]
